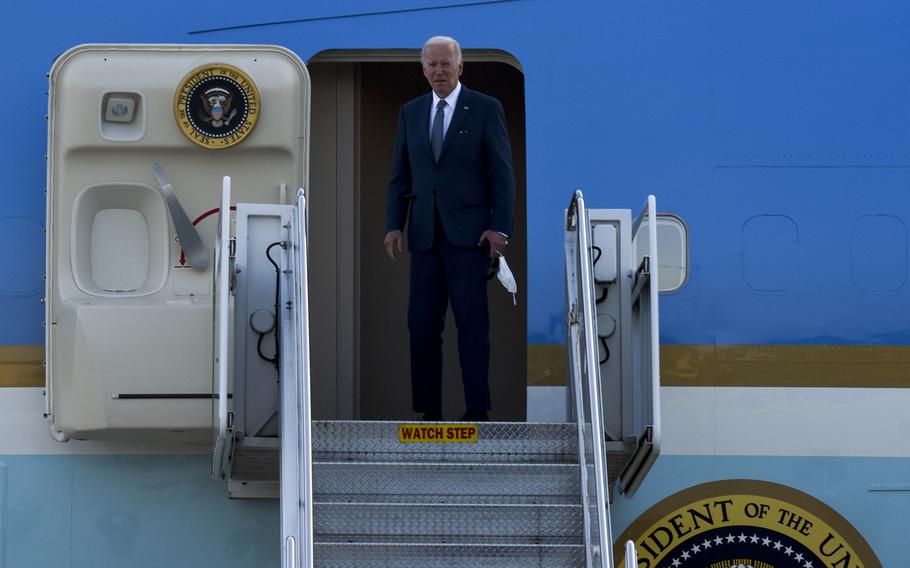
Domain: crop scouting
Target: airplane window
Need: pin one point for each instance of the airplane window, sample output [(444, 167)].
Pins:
[(672, 251)]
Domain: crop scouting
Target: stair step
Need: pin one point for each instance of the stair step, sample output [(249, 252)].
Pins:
[(255, 469), (255, 459), (451, 483), (403, 521), (361, 444), (486, 540), (405, 482), (496, 441), (437, 555)]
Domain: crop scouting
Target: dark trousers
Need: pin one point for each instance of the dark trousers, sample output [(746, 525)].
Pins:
[(449, 273)]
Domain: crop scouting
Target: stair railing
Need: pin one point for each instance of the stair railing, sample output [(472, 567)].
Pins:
[(631, 555), (584, 365), (296, 432)]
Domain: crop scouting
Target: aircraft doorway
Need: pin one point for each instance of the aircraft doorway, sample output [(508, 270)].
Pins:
[(359, 336)]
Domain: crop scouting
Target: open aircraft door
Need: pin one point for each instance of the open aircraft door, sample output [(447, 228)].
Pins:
[(150, 336), (613, 335), (140, 138)]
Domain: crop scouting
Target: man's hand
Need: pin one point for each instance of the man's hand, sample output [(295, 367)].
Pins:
[(392, 240), (498, 242)]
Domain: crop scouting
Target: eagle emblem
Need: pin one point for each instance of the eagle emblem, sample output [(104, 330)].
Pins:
[(216, 103), (216, 106)]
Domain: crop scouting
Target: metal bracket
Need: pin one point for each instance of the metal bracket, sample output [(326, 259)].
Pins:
[(642, 277)]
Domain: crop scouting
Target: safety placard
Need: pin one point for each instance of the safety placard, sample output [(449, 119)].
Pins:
[(437, 433)]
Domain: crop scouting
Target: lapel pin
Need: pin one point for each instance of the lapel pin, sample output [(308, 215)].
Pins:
[(466, 108)]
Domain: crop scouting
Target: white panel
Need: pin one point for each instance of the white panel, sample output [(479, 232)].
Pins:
[(605, 262), (689, 420), (768, 421), (259, 231), (548, 404), (20, 412), (786, 421), (119, 250)]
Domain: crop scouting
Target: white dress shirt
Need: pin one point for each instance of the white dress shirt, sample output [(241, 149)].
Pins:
[(449, 109)]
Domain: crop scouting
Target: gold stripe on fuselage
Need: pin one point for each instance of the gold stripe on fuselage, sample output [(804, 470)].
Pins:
[(21, 365), (857, 366), (830, 366)]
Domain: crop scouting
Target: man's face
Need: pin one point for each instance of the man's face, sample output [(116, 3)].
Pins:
[(440, 69)]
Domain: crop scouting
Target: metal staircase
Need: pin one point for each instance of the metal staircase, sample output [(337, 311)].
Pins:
[(511, 499)]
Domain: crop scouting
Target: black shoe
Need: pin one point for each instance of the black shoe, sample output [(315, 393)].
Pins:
[(431, 416), (480, 416)]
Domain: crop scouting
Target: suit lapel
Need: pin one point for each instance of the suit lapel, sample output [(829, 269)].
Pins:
[(462, 110), (424, 123)]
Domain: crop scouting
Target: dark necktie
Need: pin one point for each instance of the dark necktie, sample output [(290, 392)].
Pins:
[(436, 136)]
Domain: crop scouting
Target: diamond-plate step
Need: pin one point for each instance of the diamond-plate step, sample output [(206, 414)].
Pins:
[(496, 442), (411, 555), (448, 482), (394, 522), (254, 472), (456, 539), (254, 469)]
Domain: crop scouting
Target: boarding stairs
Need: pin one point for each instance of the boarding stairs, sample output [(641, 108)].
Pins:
[(510, 499), (355, 494)]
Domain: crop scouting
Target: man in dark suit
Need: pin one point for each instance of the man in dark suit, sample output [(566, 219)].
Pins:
[(452, 182)]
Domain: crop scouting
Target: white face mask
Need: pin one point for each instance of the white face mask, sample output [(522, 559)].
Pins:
[(507, 279)]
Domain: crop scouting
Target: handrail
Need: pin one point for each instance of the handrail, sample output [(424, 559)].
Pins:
[(582, 227), (300, 246), (221, 296), (631, 555), (291, 550), (656, 434), (575, 383), (294, 369)]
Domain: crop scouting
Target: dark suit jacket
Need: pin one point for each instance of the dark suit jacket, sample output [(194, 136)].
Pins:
[(472, 185)]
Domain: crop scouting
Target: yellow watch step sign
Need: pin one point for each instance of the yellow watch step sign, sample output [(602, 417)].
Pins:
[(437, 433)]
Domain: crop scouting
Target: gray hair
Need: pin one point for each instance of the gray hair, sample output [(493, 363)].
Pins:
[(440, 40)]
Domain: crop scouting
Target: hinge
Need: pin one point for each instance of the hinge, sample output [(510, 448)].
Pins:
[(232, 248)]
